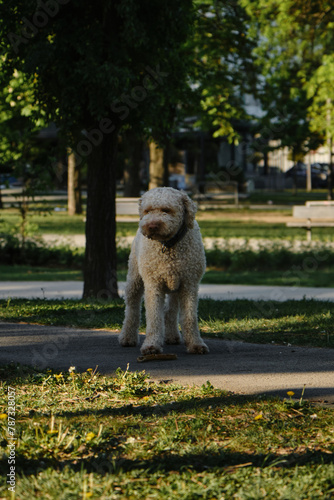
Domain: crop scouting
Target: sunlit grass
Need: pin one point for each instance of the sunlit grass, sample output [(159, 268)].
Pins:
[(305, 322), (83, 435), (213, 225)]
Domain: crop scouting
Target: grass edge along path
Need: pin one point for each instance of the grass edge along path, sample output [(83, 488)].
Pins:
[(83, 435), (305, 322)]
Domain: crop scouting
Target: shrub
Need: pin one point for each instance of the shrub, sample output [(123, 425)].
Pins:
[(272, 256), (232, 257), (36, 253)]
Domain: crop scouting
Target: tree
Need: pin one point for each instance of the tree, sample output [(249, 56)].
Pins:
[(297, 42), (22, 153), (223, 70), (158, 166), (74, 201), (98, 66)]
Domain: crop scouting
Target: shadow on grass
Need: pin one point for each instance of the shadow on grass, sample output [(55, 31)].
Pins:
[(102, 463), (166, 409)]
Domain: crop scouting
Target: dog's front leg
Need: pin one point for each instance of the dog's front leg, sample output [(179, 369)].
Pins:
[(189, 323), (172, 333), (154, 304), (133, 296)]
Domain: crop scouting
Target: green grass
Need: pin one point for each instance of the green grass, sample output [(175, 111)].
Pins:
[(300, 323), (318, 278), (242, 267), (32, 273), (83, 435), (217, 227), (286, 197), (227, 228), (29, 273), (49, 222)]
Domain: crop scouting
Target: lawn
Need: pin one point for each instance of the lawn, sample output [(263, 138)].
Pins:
[(299, 323), (228, 222), (38, 273), (83, 435), (213, 224), (318, 278), (287, 197), (242, 267), (312, 278), (272, 264)]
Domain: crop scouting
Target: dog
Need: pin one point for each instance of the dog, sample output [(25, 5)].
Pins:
[(167, 259)]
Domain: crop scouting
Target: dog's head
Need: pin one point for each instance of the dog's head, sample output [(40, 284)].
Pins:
[(163, 211)]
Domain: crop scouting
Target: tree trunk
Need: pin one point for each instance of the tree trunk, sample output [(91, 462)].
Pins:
[(77, 191), (74, 203), (100, 277), (331, 173), (309, 176), (156, 166), (70, 183), (134, 150), (330, 150), (166, 162)]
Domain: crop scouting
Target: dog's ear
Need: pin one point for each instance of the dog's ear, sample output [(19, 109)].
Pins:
[(190, 209)]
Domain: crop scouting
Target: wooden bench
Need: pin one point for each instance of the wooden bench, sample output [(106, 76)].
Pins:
[(313, 214)]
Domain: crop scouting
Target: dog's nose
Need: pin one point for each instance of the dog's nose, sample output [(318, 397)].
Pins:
[(153, 226)]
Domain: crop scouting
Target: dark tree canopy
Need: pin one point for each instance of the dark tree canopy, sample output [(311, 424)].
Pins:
[(99, 59)]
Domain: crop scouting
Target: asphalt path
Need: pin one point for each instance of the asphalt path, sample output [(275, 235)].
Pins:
[(73, 290), (239, 367)]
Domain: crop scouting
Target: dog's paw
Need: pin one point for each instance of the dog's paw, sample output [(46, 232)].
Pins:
[(173, 338), (127, 340), (150, 349), (198, 348)]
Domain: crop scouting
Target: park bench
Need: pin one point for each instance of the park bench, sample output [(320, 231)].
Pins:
[(313, 214), (127, 206)]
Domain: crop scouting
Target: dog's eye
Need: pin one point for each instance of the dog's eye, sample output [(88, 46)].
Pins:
[(166, 210)]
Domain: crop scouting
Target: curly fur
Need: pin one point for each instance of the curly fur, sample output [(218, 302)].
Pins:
[(154, 273)]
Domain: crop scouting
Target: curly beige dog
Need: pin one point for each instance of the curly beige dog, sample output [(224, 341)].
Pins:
[(167, 258)]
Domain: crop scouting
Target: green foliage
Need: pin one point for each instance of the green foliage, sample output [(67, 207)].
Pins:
[(222, 57), (99, 67), (35, 253), (89, 61), (22, 153), (271, 258), (295, 55), (320, 89)]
